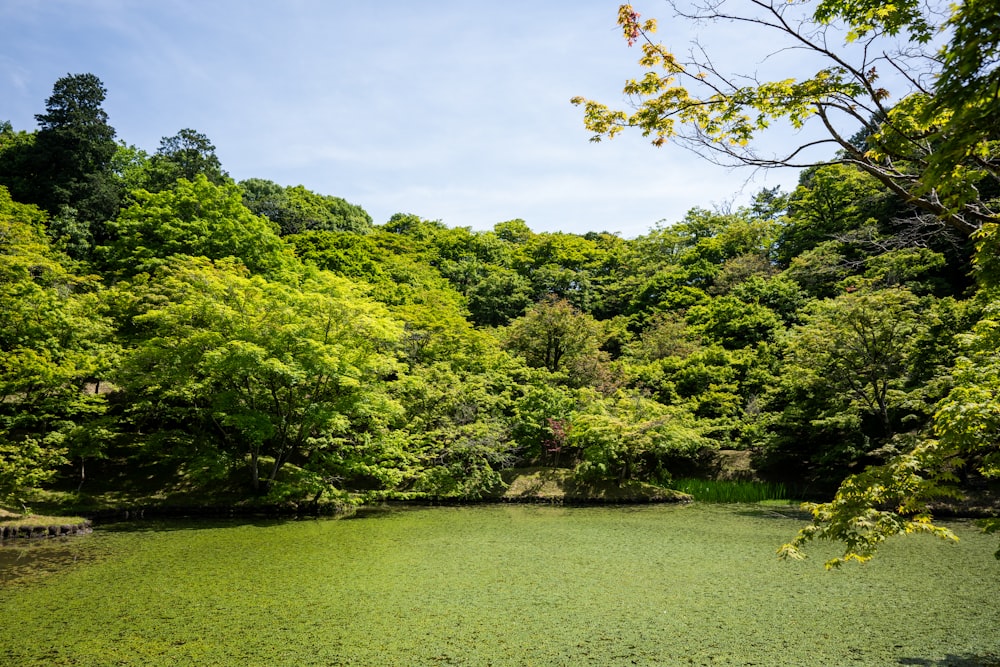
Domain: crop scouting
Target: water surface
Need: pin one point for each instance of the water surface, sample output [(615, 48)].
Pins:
[(495, 585)]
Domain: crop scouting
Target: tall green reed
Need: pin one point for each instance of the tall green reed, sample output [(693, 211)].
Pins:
[(731, 491)]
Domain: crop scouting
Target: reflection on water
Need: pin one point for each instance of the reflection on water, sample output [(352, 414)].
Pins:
[(27, 560)]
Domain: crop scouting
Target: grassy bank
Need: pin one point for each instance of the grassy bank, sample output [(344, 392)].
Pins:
[(15, 526), (21, 520)]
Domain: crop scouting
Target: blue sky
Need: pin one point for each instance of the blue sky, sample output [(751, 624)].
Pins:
[(455, 111)]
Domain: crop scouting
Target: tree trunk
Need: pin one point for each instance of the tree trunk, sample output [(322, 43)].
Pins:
[(83, 474), (255, 471)]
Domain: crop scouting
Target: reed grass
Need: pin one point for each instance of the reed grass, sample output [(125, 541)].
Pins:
[(731, 491)]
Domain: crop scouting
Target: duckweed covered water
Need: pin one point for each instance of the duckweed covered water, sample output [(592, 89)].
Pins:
[(496, 585)]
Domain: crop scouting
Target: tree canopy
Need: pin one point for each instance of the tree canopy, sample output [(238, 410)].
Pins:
[(65, 167), (184, 155), (929, 137)]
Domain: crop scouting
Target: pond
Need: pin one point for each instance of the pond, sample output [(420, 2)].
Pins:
[(495, 585)]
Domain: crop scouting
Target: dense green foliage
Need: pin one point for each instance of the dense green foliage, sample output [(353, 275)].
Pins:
[(900, 179), (259, 341)]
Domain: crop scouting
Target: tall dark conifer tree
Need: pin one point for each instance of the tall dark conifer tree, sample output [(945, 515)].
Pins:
[(72, 159)]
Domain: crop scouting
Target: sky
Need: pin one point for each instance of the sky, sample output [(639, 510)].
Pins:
[(452, 110)]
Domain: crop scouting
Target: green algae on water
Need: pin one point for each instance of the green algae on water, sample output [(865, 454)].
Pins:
[(504, 585)]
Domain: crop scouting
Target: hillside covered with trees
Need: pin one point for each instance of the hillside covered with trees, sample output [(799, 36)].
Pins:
[(160, 321)]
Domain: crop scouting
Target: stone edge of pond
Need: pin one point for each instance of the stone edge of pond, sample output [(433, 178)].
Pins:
[(41, 531)]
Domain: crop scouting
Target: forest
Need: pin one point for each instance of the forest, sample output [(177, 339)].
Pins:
[(262, 342)]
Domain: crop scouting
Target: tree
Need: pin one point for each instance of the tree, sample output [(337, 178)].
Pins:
[(965, 97), (986, 263), (629, 437), (184, 155), (17, 162), (458, 436), (498, 297), (704, 381), (263, 197), (665, 335), (54, 350), (259, 371), (194, 218), (131, 167), (296, 210), (896, 498), (830, 201), (555, 335), (24, 465), (343, 253), (778, 293), (396, 272), (858, 344), (513, 231), (733, 323), (933, 145), (563, 265), (841, 220), (73, 153), (849, 388), (541, 417)]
